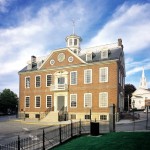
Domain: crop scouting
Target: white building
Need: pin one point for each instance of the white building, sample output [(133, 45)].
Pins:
[(141, 94)]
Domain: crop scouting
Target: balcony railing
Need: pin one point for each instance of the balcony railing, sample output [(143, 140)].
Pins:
[(59, 87)]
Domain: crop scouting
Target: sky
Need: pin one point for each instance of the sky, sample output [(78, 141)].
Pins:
[(36, 27)]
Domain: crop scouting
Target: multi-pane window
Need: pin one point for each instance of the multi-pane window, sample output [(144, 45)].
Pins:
[(75, 41), (103, 99), (88, 100), (87, 117), (27, 101), (49, 101), (73, 77), (73, 116), (48, 79), (73, 100), (38, 81), (27, 82), (61, 80), (88, 76), (37, 101), (103, 117), (103, 72)]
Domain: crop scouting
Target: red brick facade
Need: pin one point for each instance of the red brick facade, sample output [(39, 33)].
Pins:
[(63, 69)]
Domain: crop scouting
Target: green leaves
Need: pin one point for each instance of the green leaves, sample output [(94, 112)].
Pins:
[(8, 101)]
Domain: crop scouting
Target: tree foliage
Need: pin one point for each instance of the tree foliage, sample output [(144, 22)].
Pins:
[(129, 89), (8, 101)]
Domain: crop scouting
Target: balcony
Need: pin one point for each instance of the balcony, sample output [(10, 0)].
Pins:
[(59, 87)]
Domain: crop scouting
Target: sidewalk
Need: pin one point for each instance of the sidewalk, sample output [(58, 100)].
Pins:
[(127, 121)]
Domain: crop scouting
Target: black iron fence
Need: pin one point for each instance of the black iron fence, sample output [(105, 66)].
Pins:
[(47, 138)]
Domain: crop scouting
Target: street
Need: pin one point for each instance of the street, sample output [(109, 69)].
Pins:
[(10, 129)]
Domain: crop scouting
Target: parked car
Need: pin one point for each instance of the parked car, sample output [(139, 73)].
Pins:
[(146, 110)]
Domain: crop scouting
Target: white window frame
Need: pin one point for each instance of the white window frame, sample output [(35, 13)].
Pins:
[(26, 101), (40, 81), (88, 56), (75, 78), (35, 101), (46, 101), (85, 100), (85, 76), (100, 74), (101, 103), (71, 100), (26, 82), (50, 81)]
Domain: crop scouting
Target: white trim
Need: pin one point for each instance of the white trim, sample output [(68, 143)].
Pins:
[(35, 81), (106, 69), (76, 77), (90, 76), (106, 99), (70, 100), (46, 79), (35, 101), (46, 100), (91, 100), (26, 103)]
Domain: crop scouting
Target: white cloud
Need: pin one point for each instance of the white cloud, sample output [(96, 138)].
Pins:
[(4, 4), (131, 23), (34, 35)]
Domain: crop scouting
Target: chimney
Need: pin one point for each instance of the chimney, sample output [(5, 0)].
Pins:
[(33, 61), (120, 43)]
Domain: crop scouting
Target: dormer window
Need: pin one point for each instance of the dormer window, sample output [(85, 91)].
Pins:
[(104, 54), (88, 56)]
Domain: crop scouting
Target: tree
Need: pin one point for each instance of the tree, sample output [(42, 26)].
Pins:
[(8, 101), (129, 89)]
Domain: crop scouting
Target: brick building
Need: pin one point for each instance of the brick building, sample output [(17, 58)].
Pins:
[(71, 83)]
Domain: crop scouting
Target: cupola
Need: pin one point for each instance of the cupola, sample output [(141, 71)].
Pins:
[(73, 41)]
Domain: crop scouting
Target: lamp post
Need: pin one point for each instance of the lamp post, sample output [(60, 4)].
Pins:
[(133, 104), (128, 103)]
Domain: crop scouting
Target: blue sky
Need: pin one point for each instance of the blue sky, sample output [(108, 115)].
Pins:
[(35, 27)]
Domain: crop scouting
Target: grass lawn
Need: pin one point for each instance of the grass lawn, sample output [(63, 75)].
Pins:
[(111, 141)]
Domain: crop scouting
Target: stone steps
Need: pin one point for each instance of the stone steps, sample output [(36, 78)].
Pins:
[(52, 116)]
